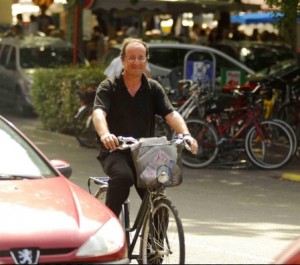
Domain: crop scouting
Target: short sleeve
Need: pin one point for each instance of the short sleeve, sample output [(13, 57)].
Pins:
[(103, 96)]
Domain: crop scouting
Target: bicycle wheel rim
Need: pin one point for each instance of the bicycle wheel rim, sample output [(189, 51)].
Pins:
[(293, 134), (273, 152), (163, 244)]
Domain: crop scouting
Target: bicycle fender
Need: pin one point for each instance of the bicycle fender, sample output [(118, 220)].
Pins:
[(83, 107)]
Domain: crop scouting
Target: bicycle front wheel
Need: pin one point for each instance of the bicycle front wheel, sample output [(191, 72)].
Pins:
[(163, 237), (207, 139), (270, 146)]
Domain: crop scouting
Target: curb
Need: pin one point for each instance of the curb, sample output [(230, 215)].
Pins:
[(291, 176)]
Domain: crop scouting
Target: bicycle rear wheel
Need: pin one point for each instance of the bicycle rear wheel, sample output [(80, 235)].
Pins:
[(270, 146), (207, 139), (163, 237), (83, 127), (293, 134)]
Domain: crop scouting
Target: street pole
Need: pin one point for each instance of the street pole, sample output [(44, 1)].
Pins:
[(76, 33)]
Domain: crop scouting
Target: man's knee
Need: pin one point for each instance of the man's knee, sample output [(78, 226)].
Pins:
[(121, 179)]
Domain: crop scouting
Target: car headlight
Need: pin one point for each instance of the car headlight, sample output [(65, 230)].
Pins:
[(108, 239)]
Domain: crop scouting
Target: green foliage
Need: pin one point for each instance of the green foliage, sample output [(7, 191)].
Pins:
[(288, 22), (289, 8), (55, 94)]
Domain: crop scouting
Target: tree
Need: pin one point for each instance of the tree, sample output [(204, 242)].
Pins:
[(287, 23)]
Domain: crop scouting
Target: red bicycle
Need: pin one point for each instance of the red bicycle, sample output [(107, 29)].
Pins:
[(268, 144)]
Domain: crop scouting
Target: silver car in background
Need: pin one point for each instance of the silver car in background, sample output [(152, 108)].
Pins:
[(19, 59), (170, 61)]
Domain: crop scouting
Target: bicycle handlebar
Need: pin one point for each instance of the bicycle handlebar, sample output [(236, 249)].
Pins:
[(127, 142)]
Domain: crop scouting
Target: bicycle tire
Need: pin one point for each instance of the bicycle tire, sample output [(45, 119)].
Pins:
[(207, 139), (293, 134), (82, 126), (163, 244), (275, 151), (290, 113)]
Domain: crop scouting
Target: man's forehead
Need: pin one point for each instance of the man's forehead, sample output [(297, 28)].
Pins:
[(135, 46)]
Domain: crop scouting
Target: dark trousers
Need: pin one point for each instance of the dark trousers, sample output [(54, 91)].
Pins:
[(119, 166)]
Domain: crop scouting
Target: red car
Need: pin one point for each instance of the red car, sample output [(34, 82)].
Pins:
[(290, 255), (46, 218)]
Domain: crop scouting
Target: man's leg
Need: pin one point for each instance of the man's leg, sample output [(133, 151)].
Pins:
[(117, 166)]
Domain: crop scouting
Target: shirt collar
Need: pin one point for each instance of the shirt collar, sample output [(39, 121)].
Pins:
[(120, 82)]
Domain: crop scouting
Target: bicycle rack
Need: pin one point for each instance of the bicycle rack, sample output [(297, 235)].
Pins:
[(202, 72)]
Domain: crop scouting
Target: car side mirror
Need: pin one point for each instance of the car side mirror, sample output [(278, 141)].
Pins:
[(63, 167)]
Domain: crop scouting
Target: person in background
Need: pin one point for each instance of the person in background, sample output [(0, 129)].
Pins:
[(126, 105), (133, 31), (33, 25), (45, 22), (18, 28), (195, 33)]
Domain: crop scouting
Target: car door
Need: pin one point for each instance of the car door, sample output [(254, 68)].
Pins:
[(13, 78), (5, 81)]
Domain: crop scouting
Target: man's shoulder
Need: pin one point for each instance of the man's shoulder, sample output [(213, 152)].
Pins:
[(154, 84)]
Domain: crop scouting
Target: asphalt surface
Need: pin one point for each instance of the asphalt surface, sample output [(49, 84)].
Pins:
[(230, 216)]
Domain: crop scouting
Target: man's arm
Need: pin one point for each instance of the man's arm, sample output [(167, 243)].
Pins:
[(177, 123), (109, 140)]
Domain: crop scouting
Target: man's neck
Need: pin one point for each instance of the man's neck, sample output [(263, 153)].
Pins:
[(133, 83)]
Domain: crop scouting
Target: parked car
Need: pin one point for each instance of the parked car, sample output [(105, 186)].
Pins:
[(175, 60), (46, 218), (19, 59), (255, 54)]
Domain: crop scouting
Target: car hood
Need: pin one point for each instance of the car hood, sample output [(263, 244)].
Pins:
[(47, 213)]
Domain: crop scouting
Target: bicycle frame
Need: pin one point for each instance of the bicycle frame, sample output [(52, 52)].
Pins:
[(193, 102), (141, 216), (224, 129)]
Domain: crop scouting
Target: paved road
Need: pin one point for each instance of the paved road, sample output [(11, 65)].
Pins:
[(230, 216)]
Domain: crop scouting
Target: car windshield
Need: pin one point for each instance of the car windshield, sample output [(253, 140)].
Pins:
[(46, 57), (18, 158)]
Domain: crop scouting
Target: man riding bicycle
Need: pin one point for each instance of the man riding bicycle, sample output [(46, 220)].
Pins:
[(126, 105)]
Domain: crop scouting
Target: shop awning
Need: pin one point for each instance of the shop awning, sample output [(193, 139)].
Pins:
[(173, 7), (254, 18)]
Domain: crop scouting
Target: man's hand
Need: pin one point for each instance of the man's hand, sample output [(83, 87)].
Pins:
[(110, 141), (193, 143)]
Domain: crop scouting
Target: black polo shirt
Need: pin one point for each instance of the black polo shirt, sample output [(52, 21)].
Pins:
[(132, 116)]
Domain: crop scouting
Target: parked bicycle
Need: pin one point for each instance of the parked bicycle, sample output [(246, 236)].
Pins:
[(157, 227), (190, 103), (267, 143), (84, 129)]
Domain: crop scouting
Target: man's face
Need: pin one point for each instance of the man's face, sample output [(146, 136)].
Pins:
[(135, 59)]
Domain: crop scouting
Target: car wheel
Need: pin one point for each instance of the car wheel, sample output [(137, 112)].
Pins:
[(20, 105)]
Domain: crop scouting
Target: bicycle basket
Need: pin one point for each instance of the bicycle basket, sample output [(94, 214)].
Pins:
[(152, 156)]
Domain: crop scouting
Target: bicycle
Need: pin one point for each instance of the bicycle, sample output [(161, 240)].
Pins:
[(191, 103), (84, 129), (157, 223), (267, 143)]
